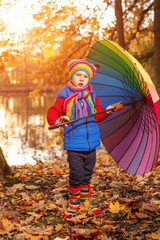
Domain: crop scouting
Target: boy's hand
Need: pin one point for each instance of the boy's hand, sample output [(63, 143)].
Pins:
[(119, 106), (63, 119)]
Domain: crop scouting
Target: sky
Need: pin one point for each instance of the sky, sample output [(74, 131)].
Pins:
[(18, 18)]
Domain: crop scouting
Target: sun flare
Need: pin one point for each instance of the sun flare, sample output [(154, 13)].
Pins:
[(17, 17)]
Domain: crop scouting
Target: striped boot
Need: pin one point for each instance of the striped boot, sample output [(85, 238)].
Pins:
[(86, 195), (74, 201)]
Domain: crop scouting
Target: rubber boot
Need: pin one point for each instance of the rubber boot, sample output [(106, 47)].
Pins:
[(86, 195), (74, 201)]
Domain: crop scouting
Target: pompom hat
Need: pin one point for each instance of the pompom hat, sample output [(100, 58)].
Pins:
[(76, 65)]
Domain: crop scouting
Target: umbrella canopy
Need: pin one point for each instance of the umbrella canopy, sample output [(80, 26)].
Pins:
[(131, 136)]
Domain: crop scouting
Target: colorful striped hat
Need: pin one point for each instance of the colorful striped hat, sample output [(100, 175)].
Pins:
[(76, 65)]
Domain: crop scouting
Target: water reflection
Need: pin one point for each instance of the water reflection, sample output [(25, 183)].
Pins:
[(24, 132)]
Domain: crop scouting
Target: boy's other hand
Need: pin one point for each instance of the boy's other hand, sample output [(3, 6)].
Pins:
[(64, 119), (118, 106)]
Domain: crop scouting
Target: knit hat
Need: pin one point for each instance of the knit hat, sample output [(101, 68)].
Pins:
[(76, 65)]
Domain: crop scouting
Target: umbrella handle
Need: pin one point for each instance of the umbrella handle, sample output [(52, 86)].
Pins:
[(74, 120)]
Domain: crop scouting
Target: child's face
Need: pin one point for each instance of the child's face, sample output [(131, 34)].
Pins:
[(80, 79)]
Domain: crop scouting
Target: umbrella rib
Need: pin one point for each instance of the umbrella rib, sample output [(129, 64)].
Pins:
[(151, 117), (147, 142), (147, 161), (143, 130), (157, 147), (135, 86), (129, 72), (140, 120), (130, 84), (147, 113), (113, 58), (144, 113), (150, 104), (136, 153), (144, 87), (111, 96), (128, 90), (118, 116), (141, 157), (155, 157), (138, 110), (138, 127), (102, 84), (136, 150), (131, 141)]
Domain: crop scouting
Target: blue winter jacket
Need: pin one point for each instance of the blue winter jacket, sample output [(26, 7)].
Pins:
[(82, 135)]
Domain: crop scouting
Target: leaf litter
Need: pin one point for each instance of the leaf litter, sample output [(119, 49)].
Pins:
[(34, 199)]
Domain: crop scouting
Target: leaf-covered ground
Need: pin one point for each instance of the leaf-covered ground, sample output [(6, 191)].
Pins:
[(34, 199)]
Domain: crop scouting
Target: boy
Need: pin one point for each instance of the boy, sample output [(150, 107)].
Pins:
[(81, 138)]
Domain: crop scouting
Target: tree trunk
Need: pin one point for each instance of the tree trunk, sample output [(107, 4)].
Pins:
[(157, 42), (119, 22), (4, 167)]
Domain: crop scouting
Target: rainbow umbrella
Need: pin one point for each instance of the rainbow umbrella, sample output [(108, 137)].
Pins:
[(131, 136)]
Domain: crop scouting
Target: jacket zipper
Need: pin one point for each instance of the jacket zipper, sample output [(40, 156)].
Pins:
[(87, 130), (87, 135)]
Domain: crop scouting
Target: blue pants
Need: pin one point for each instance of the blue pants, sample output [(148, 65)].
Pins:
[(81, 166)]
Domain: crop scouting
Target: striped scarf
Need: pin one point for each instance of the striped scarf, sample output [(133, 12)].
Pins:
[(72, 104)]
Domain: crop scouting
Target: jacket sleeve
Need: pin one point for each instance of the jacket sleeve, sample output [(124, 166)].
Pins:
[(55, 111), (102, 116)]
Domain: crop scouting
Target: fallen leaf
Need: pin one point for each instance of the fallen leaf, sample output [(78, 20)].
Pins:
[(58, 227), (12, 190), (57, 171), (51, 206), (149, 207), (82, 232), (31, 237), (141, 215), (39, 231), (2, 195), (104, 237), (22, 177), (116, 184), (5, 226), (154, 236), (132, 221), (115, 208), (64, 238), (28, 220), (31, 187), (95, 221), (25, 202)]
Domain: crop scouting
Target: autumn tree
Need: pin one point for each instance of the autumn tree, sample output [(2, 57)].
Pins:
[(4, 167), (62, 32), (157, 42), (138, 36), (8, 55), (119, 22)]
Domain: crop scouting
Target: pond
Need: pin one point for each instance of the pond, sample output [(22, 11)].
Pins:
[(24, 133)]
